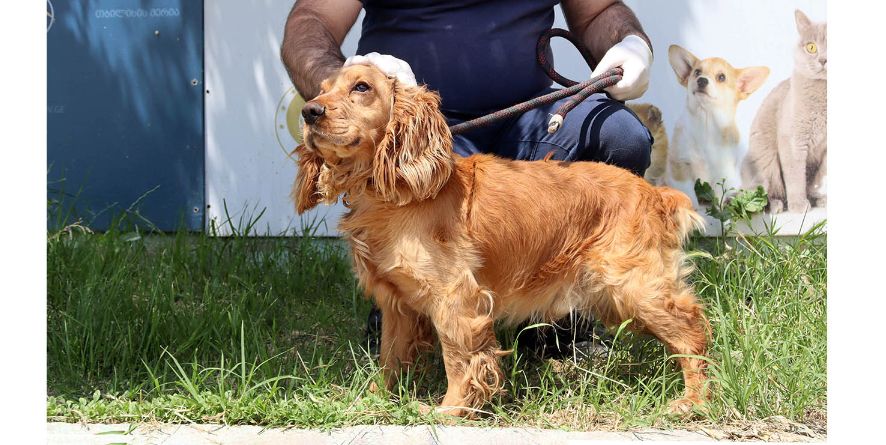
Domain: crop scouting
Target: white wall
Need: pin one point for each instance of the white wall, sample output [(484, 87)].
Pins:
[(247, 168)]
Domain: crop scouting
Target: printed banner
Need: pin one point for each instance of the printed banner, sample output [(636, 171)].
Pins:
[(737, 101)]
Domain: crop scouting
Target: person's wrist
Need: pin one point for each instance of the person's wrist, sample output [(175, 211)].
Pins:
[(639, 46), (307, 82), (327, 70)]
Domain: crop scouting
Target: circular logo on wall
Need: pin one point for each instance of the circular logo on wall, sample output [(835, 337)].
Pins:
[(288, 121), (50, 15)]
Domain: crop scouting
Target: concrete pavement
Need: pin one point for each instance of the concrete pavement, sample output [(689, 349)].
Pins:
[(194, 434), (65, 434)]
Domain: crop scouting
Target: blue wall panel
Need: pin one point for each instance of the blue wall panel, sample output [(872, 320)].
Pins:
[(125, 104)]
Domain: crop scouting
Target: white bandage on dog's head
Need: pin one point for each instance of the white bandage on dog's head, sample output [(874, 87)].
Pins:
[(390, 65)]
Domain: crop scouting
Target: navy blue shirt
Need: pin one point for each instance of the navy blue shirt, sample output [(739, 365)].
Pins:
[(478, 54)]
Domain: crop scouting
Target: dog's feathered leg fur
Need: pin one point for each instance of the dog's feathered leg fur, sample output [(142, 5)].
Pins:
[(405, 334), (464, 321)]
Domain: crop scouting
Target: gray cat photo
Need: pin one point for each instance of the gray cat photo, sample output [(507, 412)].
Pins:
[(787, 150)]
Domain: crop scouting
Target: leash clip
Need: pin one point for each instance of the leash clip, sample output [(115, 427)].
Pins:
[(555, 123)]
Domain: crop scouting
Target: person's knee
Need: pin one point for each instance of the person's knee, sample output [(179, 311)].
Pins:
[(626, 142)]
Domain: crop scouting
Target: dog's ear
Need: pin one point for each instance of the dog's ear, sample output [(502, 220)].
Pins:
[(304, 190), (682, 62), (653, 115), (802, 20), (749, 79), (414, 159)]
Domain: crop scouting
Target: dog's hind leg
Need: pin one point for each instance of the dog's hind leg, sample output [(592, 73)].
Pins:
[(669, 311), (678, 321)]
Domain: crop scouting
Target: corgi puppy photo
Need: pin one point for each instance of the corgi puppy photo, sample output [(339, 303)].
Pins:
[(706, 143)]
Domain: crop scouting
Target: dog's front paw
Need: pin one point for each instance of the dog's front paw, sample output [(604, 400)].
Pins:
[(453, 413), (682, 407), (439, 414), (801, 206)]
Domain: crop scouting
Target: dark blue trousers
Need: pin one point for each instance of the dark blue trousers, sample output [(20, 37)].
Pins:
[(599, 129)]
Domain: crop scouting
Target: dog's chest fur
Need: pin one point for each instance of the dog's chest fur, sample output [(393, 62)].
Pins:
[(706, 145), (409, 255)]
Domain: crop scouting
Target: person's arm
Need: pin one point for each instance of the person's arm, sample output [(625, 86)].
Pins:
[(601, 24), (614, 36), (311, 49)]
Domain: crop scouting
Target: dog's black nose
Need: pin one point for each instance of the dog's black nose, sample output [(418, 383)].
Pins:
[(312, 111), (702, 82)]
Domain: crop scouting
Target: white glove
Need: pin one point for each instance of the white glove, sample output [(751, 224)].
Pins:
[(390, 65), (635, 58)]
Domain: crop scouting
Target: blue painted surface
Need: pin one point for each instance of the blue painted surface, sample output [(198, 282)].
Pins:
[(125, 110)]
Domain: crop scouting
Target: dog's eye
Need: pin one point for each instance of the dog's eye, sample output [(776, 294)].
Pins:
[(697, 73), (361, 87), (721, 77)]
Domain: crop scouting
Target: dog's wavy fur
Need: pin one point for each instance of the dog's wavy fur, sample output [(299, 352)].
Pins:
[(448, 245)]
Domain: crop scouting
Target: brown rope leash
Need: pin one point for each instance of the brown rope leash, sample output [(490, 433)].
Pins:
[(576, 91)]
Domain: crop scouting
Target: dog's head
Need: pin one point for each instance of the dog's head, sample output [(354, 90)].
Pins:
[(713, 84), (367, 133)]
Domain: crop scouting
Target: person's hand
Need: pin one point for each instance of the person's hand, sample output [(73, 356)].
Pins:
[(390, 65), (635, 58)]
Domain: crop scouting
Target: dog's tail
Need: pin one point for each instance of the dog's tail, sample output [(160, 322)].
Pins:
[(684, 216)]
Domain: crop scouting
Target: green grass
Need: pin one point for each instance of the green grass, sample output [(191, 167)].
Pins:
[(239, 330)]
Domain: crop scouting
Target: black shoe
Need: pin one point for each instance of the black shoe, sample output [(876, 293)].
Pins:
[(576, 335), (372, 336)]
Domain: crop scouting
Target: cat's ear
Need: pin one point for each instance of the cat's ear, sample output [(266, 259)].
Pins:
[(682, 62), (803, 22), (750, 79)]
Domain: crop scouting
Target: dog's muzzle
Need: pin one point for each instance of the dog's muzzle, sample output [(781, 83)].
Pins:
[(312, 111)]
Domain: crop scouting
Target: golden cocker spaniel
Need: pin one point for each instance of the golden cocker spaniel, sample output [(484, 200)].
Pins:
[(448, 245)]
